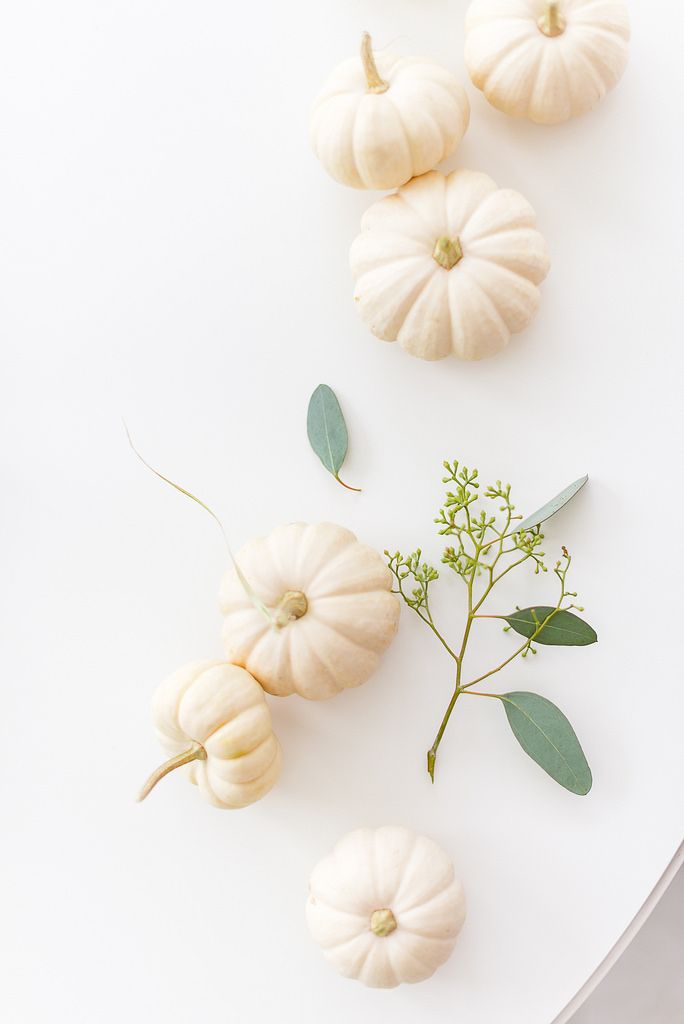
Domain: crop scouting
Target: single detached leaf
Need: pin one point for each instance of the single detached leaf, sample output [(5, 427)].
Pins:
[(545, 734), (327, 430), (563, 630), (553, 506)]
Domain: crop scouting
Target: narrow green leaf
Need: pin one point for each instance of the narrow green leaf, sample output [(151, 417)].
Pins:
[(553, 506), (327, 430), (563, 630), (246, 586), (545, 734)]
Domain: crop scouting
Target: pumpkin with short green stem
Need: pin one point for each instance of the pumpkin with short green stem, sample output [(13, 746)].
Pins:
[(449, 265), (331, 608), (385, 906), (547, 60)]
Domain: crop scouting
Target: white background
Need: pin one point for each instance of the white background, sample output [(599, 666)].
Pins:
[(172, 253)]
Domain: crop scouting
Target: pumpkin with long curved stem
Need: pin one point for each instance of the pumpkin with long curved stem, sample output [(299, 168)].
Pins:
[(331, 600), (214, 717), (381, 120), (385, 906), (547, 60)]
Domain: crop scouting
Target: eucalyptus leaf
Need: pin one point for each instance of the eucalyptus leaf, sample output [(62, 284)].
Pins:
[(545, 734), (563, 630), (553, 506), (327, 431)]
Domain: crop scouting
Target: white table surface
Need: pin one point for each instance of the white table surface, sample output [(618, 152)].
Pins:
[(172, 253)]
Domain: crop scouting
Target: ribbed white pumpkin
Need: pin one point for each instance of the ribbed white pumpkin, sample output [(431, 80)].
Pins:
[(381, 120), (547, 61), (385, 906), (449, 266), (331, 597), (214, 717)]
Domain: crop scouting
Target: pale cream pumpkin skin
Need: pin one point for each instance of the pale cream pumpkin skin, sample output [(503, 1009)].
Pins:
[(547, 61), (449, 265), (222, 709), (332, 601), (378, 131), (385, 906)]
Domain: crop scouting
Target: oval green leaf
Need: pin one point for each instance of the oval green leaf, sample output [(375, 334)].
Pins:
[(545, 734), (327, 430), (563, 630), (553, 506)]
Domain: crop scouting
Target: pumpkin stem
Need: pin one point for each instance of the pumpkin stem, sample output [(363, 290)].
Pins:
[(383, 922), (292, 606), (194, 753), (447, 252), (552, 22), (374, 81)]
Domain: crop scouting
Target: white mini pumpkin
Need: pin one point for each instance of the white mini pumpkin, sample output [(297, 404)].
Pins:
[(449, 265), (385, 906), (545, 60), (331, 600), (381, 120), (214, 717)]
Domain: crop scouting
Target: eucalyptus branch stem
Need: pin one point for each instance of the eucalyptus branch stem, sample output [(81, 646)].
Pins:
[(482, 549), (432, 752), (522, 648), (427, 620), (513, 565), (512, 657), (430, 623), (496, 579)]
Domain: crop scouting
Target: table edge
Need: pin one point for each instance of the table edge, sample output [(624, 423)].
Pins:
[(624, 940)]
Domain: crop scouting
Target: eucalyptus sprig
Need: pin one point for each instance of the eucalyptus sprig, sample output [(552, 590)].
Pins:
[(485, 545)]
